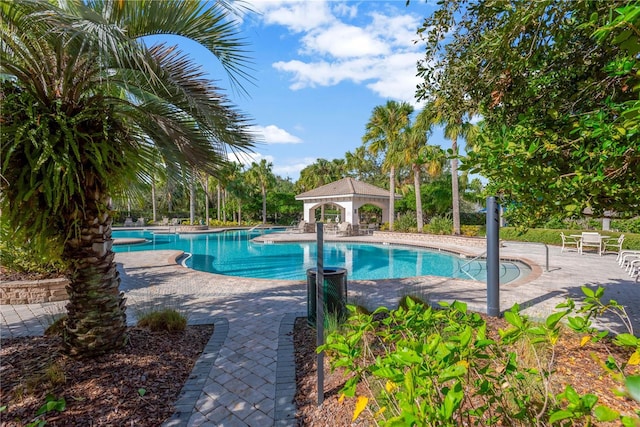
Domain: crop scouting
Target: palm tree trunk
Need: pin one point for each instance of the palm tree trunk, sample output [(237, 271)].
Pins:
[(96, 319), (224, 205), (416, 184), (455, 193), (154, 203), (206, 198), (219, 199), (392, 199), (264, 204), (192, 200)]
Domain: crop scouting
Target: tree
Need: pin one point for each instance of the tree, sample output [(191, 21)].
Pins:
[(261, 174), (383, 135), (555, 138), (237, 186), (86, 105), (418, 154), (449, 111), (364, 166), (320, 173)]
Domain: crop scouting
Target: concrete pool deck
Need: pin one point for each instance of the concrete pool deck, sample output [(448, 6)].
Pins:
[(246, 375)]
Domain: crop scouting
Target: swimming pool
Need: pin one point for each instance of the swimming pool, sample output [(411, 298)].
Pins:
[(233, 253)]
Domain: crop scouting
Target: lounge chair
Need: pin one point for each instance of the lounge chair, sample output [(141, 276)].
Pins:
[(344, 229), (128, 222), (616, 245), (568, 243), (300, 228), (626, 255)]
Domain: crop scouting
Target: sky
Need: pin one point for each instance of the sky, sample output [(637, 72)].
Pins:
[(319, 69)]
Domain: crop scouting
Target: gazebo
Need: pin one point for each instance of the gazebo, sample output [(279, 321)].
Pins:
[(349, 195)]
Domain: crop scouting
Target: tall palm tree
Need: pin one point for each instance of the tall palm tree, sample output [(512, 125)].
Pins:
[(412, 140), (455, 120), (236, 185), (86, 104), (383, 135), (261, 174)]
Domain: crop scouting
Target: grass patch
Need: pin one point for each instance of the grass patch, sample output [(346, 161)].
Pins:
[(167, 319)]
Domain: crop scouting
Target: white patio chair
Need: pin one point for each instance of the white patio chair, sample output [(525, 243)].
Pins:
[(591, 239), (568, 243), (616, 245)]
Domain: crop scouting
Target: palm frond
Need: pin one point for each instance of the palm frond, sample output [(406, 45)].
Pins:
[(210, 24)]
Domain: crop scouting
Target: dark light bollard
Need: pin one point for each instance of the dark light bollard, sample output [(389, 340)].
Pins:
[(493, 257), (320, 312)]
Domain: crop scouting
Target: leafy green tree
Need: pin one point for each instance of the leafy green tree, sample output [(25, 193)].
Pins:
[(362, 165), (556, 136), (320, 173), (261, 174), (86, 104), (238, 186), (416, 152), (454, 114), (382, 135)]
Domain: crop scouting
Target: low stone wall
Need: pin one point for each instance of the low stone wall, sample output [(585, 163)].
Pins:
[(188, 228), (434, 238), (33, 292)]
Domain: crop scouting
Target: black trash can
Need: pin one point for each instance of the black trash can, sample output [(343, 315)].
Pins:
[(334, 293)]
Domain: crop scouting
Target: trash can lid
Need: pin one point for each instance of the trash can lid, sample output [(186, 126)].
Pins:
[(327, 270)]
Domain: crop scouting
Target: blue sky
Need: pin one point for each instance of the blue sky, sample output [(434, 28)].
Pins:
[(320, 68)]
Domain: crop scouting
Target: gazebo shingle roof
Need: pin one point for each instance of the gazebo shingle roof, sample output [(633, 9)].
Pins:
[(345, 187)]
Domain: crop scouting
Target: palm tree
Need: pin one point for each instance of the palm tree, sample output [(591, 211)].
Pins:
[(261, 174), (236, 185), (383, 135), (418, 154), (86, 104), (455, 127)]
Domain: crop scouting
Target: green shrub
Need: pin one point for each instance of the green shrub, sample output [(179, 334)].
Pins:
[(443, 367), (167, 319), (440, 225), (555, 224), (552, 237), (407, 223), (473, 218), (627, 225), (27, 254)]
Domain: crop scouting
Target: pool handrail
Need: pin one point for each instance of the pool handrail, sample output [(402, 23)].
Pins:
[(546, 247)]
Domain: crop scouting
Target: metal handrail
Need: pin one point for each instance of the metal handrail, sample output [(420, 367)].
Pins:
[(469, 262), (534, 243)]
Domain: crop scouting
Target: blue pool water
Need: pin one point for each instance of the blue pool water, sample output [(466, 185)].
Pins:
[(233, 253)]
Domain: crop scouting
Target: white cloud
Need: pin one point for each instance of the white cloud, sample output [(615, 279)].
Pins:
[(341, 9), (246, 159), (392, 76), (343, 41), (291, 168), (297, 16), (272, 134), (339, 45)]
